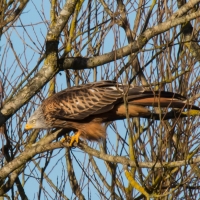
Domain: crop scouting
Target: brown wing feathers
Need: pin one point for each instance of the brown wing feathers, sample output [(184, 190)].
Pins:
[(82, 102)]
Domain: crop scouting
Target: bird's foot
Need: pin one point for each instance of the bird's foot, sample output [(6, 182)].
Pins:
[(65, 139), (71, 139), (74, 138)]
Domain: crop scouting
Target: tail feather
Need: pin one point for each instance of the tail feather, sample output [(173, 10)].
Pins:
[(138, 94), (163, 102)]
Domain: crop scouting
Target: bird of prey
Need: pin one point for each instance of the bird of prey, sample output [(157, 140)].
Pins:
[(85, 108)]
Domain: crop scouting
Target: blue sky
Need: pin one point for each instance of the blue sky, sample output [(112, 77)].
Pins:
[(29, 43)]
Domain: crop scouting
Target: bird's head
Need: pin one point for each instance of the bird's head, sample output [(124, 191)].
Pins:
[(37, 120)]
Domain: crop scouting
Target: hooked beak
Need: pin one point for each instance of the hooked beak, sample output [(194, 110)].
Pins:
[(28, 126)]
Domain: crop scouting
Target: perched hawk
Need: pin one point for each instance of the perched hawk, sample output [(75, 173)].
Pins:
[(85, 108)]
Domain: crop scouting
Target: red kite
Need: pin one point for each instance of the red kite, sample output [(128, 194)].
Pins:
[(85, 108)]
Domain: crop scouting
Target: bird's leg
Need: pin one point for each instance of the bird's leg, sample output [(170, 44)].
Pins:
[(75, 138), (65, 138)]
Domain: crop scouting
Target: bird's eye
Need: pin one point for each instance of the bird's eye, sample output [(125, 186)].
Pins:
[(33, 121)]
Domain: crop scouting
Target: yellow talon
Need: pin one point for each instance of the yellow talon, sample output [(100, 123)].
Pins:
[(74, 138), (63, 139)]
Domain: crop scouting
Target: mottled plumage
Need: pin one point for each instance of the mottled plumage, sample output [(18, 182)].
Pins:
[(86, 107)]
